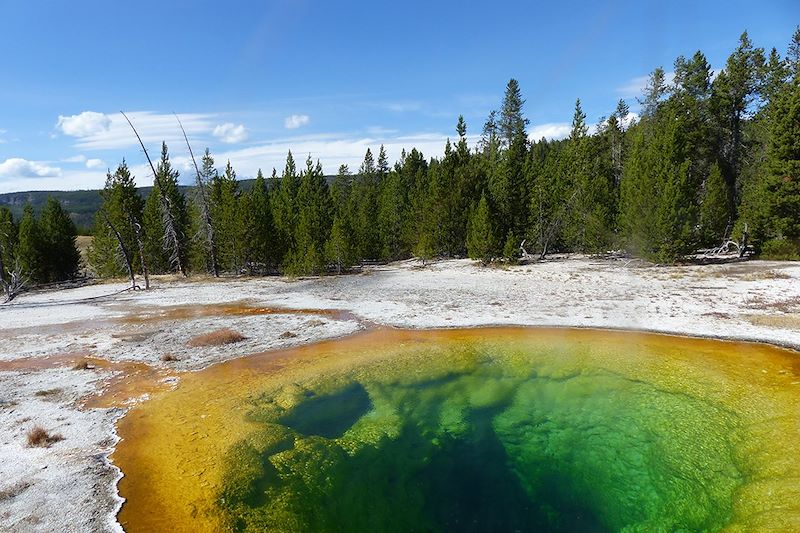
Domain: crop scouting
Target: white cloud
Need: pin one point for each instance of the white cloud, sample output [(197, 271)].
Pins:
[(295, 121), (80, 158), (67, 181), (116, 133), (332, 150), (95, 163), (630, 119), (551, 131), (16, 167), (84, 124), (231, 133)]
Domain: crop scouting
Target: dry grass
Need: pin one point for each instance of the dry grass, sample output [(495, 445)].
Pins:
[(717, 314), (47, 392), (38, 437), (216, 338), (83, 242), (14, 490), (765, 274), (788, 321), (82, 365), (783, 306)]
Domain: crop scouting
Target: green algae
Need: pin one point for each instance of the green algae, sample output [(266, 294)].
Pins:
[(483, 436)]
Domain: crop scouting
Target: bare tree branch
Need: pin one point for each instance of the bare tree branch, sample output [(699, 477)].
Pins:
[(126, 256), (15, 284)]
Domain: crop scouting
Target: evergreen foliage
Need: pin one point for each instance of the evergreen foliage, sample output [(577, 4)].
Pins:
[(703, 161)]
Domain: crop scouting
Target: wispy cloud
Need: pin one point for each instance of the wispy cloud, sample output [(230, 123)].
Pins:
[(230, 133), (95, 163), (99, 131), (293, 122), (401, 106), (68, 180)]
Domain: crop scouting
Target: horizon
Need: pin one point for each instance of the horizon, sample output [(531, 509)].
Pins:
[(249, 85)]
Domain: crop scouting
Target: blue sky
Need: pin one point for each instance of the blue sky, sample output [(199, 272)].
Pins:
[(253, 79)]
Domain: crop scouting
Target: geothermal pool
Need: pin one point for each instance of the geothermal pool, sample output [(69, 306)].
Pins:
[(493, 429)]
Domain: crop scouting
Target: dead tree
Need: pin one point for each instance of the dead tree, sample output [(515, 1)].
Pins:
[(14, 282), (123, 250), (171, 240), (205, 211), (137, 229)]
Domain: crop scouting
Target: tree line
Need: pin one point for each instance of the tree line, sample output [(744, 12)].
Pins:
[(708, 159)]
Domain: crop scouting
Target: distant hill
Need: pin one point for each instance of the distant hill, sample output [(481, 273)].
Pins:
[(81, 205)]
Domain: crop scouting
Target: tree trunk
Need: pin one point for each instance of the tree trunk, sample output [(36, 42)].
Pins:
[(123, 249)]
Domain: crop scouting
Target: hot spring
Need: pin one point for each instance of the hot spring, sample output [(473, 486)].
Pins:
[(499, 429)]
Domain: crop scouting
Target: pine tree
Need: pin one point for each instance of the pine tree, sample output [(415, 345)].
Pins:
[(205, 235), (313, 225), (284, 210), (658, 210), (715, 209), (61, 258), (547, 199), (511, 248), (121, 208), (480, 234), (170, 207), (507, 183), (153, 232), (364, 200), (227, 212), (653, 93), (260, 227), (512, 122), (733, 91), (391, 210), (29, 247), (8, 237), (783, 165), (793, 55), (338, 247)]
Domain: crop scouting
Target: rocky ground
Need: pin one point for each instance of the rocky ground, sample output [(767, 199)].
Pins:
[(60, 350)]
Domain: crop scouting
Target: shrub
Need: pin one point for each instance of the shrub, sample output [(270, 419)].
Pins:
[(780, 250), (40, 438), (216, 338)]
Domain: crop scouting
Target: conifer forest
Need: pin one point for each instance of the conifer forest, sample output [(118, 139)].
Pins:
[(712, 157)]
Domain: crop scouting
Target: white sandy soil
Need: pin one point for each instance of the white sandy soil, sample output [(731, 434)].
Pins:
[(71, 486)]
